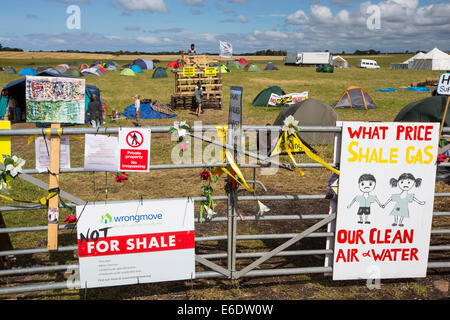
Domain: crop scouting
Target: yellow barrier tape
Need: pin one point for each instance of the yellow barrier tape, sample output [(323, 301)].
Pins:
[(42, 200), (32, 138), (288, 150)]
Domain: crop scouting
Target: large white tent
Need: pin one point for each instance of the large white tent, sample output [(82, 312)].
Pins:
[(340, 62), (433, 60)]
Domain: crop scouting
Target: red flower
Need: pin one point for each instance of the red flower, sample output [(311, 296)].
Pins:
[(70, 219), (205, 175), (121, 177)]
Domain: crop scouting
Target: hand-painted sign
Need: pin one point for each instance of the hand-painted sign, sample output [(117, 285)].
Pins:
[(443, 86), (276, 100), (132, 243), (385, 200), (210, 72)]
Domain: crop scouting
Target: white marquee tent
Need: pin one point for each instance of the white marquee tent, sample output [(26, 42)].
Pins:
[(433, 60)]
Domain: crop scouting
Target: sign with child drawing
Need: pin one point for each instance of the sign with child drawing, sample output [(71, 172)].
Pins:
[(385, 200)]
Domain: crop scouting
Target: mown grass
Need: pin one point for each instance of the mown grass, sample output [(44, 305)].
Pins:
[(118, 91)]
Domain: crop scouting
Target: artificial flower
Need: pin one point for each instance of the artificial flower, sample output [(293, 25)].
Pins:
[(183, 146), (70, 219), (209, 213), (121, 177), (16, 167), (262, 209), (181, 128), (290, 125), (205, 175)]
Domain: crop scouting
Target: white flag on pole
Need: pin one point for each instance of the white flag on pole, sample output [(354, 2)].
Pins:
[(226, 49)]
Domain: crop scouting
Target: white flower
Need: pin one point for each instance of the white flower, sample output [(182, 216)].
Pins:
[(262, 208), (290, 125), (209, 213), (179, 127), (16, 168), (3, 185)]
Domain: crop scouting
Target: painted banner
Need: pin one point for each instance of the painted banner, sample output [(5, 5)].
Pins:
[(55, 100), (136, 242), (385, 200), (134, 149), (226, 49), (276, 100)]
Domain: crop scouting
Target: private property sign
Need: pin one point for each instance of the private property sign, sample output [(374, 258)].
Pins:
[(131, 243), (385, 200), (134, 146)]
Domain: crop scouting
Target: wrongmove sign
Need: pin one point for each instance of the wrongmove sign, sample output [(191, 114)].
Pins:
[(385, 200)]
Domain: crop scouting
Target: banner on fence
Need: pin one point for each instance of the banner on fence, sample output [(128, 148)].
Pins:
[(55, 100), (134, 149), (136, 242), (276, 100), (385, 200), (101, 153), (43, 151)]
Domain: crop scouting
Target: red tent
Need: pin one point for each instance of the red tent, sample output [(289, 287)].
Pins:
[(242, 61), (174, 64), (246, 66)]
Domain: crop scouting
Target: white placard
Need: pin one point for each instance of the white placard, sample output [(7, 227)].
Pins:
[(42, 151), (385, 200), (291, 98), (226, 49), (443, 86), (101, 153), (136, 242), (134, 153)]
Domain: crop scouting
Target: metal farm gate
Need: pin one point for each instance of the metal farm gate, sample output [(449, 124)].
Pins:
[(223, 264)]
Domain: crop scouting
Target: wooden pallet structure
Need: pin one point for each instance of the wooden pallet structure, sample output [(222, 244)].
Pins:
[(183, 96)]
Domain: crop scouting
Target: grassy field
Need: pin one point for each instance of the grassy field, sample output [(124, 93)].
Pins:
[(118, 91)]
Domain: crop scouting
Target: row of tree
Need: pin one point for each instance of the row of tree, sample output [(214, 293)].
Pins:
[(2, 48)]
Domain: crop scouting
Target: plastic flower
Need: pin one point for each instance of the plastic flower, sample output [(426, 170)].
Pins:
[(209, 213), (183, 146), (121, 177), (3, 185), (181, 128), (290, 125), (16, 167), (262, 208), (70, 219), (205, 175)]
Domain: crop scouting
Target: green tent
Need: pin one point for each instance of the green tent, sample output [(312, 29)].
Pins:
[(10, 70), (263, 97), (127, 72), (430, 109), (72, 73), (224, 69), (252, 68), (159, 72), (311, 112), (234, 65)]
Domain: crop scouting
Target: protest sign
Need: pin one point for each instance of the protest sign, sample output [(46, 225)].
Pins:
[(136, 242), (101, 153), (385, 200), (43, 151), (276, 100), (134, 149)]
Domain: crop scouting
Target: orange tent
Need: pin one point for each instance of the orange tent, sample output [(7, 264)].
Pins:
[(355, 98)]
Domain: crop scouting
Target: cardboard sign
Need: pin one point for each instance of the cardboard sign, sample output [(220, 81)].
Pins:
[(235, 111), (443, 86), (276, 100), (385, 200), (43, 151), (188, 72), (101, 153), (139, 242), (55, 100), (134, 149), (210, 72)]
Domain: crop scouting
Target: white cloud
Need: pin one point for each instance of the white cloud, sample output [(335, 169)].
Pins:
[(144, 5), (197, 3), (299, 17), (149, 40), (242, 18), (321, 14)]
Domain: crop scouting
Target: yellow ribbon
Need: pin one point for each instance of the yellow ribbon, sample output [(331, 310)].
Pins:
[(309, 153), (42, 200), (288, 150)]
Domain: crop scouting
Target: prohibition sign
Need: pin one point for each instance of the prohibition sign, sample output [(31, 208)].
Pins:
[(134, 139)]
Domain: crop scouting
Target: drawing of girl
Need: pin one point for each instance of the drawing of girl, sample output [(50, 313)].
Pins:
[(405, 182)]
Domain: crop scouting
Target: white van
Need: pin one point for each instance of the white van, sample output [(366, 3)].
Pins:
[(368, 64)]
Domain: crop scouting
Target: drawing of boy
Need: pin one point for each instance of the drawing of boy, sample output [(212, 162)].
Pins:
[(367, 183)]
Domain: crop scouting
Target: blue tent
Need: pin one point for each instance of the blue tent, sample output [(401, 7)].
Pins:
[(140, 63), (136, 68), (27, 72), (147, 112)]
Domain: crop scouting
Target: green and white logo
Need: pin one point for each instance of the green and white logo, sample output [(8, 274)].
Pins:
[(106, 218)]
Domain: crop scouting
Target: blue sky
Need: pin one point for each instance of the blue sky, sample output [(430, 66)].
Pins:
[(249, 25)]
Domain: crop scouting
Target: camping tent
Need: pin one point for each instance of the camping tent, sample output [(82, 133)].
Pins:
[(252, 68), (84, 66), (61, 69), (311, 112), (339, 62), (430, 109), (224, 69), (159, 73), (72, 73), (136, 68), (174, 64), (149, 64), (432, 60), (263, 97), (91, 71), (27, 72), (127, 72), (355, 98), (10, 70), (111, 67), (234, 65), (242, 61), (270, 66), (140, 63)]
